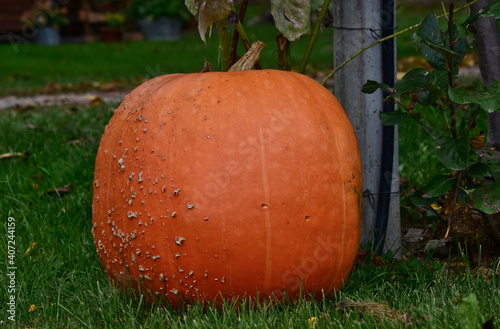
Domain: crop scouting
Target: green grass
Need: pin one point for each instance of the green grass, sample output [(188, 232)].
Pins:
[(63, 278)]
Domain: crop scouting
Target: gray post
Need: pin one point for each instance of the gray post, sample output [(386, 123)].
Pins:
[(358, 23)]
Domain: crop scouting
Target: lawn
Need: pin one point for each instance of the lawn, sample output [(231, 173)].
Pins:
[(47, 157)]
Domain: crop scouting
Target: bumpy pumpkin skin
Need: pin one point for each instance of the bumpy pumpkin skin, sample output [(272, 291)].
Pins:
[(228, 184)]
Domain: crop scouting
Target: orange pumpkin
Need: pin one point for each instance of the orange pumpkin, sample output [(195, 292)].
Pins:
[(228, 184)]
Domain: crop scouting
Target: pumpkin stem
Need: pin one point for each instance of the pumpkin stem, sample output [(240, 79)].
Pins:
[(250, 58)]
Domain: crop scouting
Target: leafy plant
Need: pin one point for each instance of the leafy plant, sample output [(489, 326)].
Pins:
[(153, 9), (472, 172), (114, 19), (291, 17), (45, 13), (292, 20)]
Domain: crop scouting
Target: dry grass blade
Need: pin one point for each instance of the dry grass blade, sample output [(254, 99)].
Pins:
[(11, 155), (61, 190)]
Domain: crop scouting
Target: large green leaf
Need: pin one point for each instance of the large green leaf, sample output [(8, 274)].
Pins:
[(438, 81), (433, 57), (429, 30), (208, 11), (394, 118), (479, 170), (438, 185), (427, 98), (444, 51), (453, 152), (434, 47), (427, 37), (292, 17), (411, 81), (437, 55), (460, 44), (488, 98), (372, 86), (422, 201)]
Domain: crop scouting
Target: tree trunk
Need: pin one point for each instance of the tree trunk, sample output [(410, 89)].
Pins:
[(488, 51)]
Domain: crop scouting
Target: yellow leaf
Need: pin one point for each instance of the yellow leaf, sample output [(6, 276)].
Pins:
[(96, 101), (30, 248), (33, 307), (436, 207), (312, 321)]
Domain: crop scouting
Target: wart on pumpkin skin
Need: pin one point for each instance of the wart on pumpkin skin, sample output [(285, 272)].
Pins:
[(179, 240)]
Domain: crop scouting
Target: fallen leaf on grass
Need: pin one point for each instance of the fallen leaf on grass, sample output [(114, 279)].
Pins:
[(468, 311), (54, 88), (313, 321), (30, 248), (60, 190), (51, 88), (34, 127), (33, 308), (97, 100), (108, 86), (373, 309), (79, 141)]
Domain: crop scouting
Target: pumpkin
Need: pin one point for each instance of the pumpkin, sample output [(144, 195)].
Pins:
[(235, 184)]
